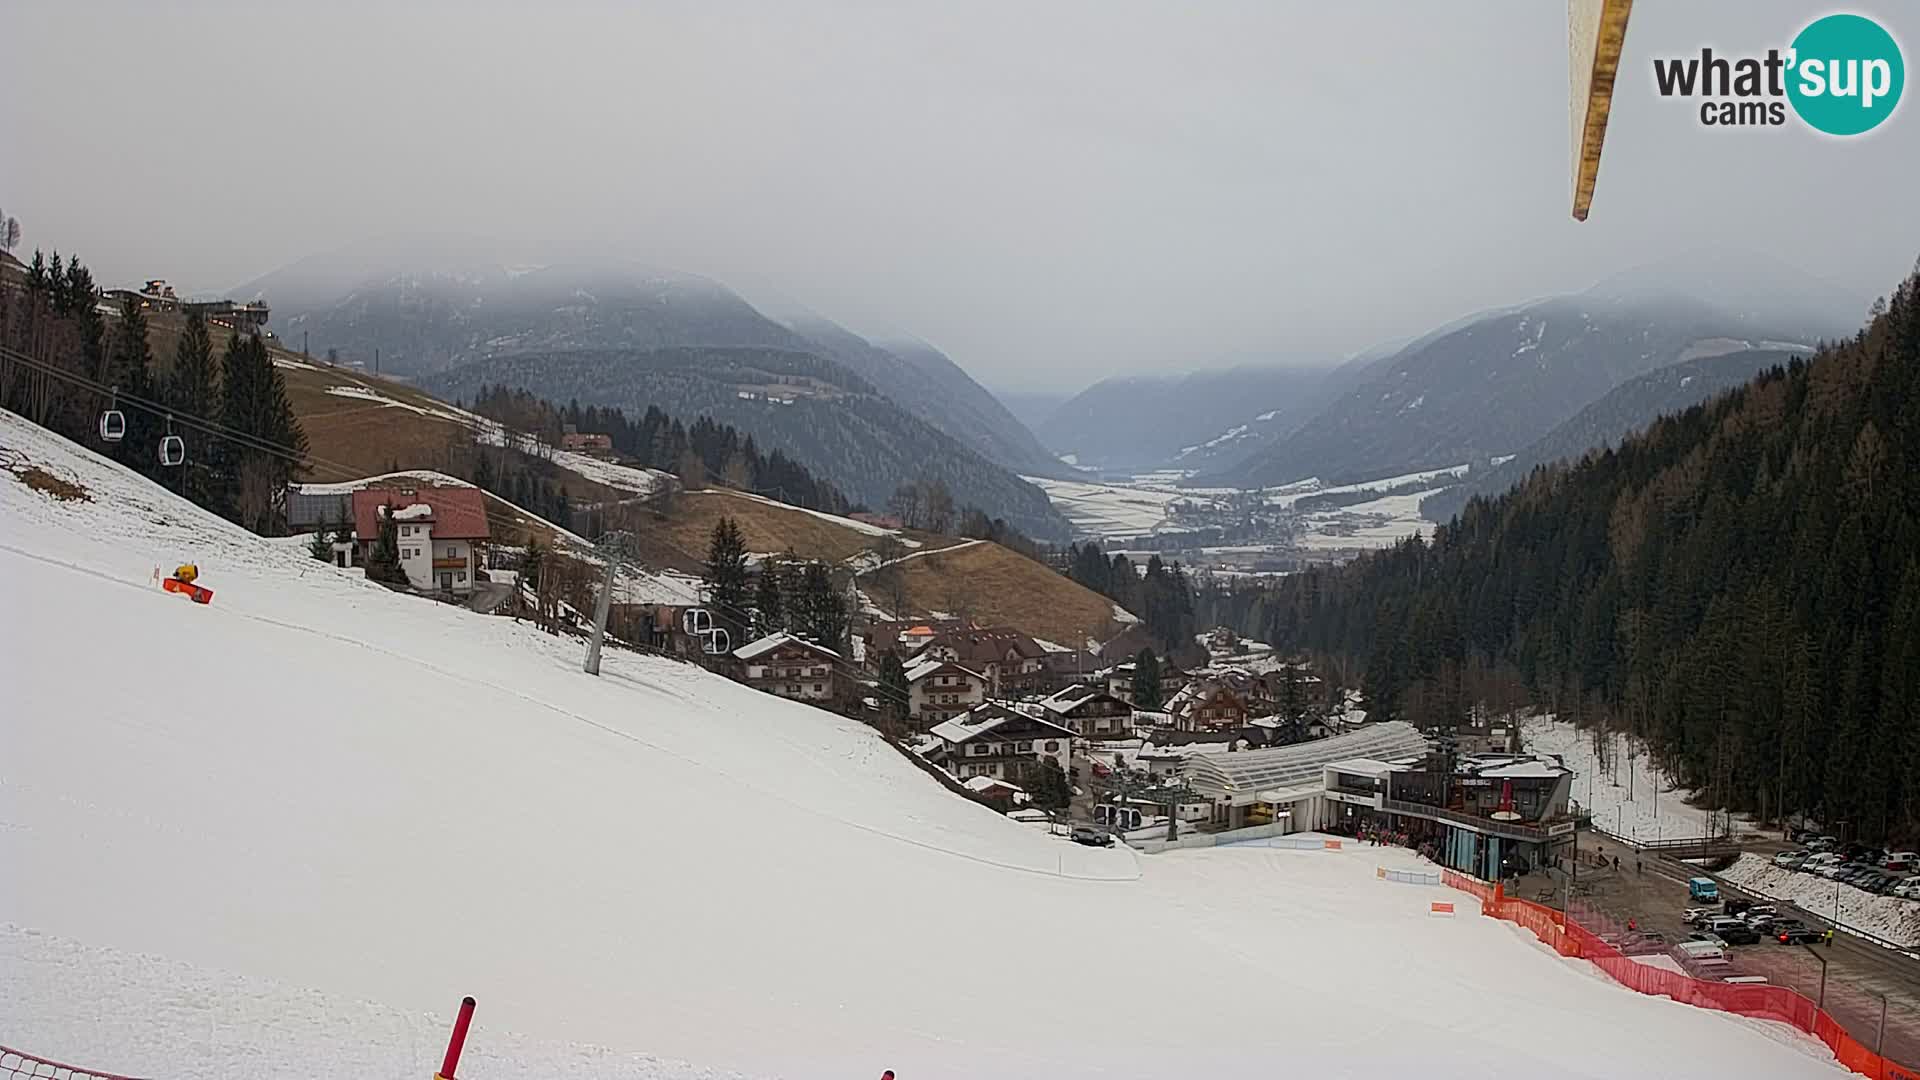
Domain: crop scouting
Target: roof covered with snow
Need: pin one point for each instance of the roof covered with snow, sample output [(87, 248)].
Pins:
[(988, 718), (753, 650), (926, 666)]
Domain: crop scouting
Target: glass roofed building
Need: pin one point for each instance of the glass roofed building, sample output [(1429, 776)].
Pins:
[(1287, 784)]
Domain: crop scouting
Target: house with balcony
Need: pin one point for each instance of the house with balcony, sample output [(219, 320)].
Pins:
[(939, 690), (790, 667), (1207, 704), (995, 741), (1088, 712), (440, 531), (1013, 662)]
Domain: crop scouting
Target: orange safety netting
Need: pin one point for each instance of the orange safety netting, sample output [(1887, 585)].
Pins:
[(16, 1065), (1569, 938)]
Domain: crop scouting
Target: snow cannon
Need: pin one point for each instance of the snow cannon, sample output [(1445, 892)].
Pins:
[(183, 580)]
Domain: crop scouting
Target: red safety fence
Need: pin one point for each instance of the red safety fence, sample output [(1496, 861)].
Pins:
[(1765, 1002), (16, 1065)]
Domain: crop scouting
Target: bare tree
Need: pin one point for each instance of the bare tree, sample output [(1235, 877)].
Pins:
[(9, 232), (906, 504), (939, 500)]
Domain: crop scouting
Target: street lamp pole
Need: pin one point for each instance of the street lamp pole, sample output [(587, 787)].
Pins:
[(1822, 1003)]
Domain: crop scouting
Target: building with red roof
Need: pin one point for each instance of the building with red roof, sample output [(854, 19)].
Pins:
[(437, 529)]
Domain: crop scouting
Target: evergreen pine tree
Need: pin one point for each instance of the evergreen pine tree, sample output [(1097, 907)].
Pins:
[(726, 576), (193, 390), (769, 612), (895, 701), (129, 368), (1146, 681), (383, 561), (824, 610)]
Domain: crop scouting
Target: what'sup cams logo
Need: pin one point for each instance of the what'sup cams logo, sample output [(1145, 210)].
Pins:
[(1842, 75)]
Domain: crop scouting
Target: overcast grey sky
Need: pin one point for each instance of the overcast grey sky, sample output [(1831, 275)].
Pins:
[(1052, 192)]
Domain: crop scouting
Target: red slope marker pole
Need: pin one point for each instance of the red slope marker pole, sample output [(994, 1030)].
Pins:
[(458, 1042)]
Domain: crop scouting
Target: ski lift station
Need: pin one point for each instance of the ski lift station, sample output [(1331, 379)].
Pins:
[(1286, 785), (1486, 814)]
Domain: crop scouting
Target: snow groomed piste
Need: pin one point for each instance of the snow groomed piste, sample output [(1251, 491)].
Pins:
[(373, 804)]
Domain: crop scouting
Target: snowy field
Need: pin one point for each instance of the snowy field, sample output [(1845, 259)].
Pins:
[(1106, 511), (1379, 523), (1890, 917), (1623, 799), (284, 833)]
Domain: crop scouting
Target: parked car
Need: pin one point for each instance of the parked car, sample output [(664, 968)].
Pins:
[(1790, 860), (1092, 836), (1883, 884), (1709, 938), (1906, 888), (1795, 932), (1732, 931), (1822, 843), (1694, 916), (1830, 871), (1900, 860), (1738, 906)]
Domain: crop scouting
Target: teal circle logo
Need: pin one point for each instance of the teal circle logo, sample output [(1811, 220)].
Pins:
[(1846, 74)]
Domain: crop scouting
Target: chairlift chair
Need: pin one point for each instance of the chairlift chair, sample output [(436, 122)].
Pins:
[(697, 622), (716, 642)]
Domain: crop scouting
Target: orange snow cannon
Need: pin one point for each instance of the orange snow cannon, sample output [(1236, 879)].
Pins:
[(182, 581)]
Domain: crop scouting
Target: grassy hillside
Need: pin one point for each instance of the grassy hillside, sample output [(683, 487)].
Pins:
[(994, 586), (357, 436)]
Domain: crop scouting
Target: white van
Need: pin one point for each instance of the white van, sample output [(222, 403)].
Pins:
[(1698, 951)]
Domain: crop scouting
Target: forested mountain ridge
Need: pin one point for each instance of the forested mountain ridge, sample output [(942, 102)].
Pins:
[(1496, 384), (925, 382), (1625, 409), (426, 315), (1145, 422), (812, 409), (1739, 584)]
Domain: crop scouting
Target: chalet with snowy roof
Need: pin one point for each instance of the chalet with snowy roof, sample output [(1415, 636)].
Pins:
[(439, 530), (1013, 662), (1207, 705), (939, 690), (791, 667), (1089, 712), (995, 741)]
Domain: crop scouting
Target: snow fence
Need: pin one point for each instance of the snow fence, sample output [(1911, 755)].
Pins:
[(1568, 938), (15, 1065)]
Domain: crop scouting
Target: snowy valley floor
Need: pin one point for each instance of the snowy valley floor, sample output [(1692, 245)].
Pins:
[(283, 834)]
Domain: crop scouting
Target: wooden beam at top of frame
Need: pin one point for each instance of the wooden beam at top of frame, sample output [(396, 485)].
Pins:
[(1596, 32)]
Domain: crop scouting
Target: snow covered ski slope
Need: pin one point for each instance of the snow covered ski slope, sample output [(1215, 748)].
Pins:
[(284, 833)]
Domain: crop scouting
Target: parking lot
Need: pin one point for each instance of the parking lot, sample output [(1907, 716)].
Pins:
[(1860, 975)]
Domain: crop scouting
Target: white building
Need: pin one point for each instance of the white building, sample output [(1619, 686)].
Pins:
[(436, 528), (991, 740), (939, 690)]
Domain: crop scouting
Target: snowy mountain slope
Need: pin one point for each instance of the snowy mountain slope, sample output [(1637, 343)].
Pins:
[(317, 806)]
